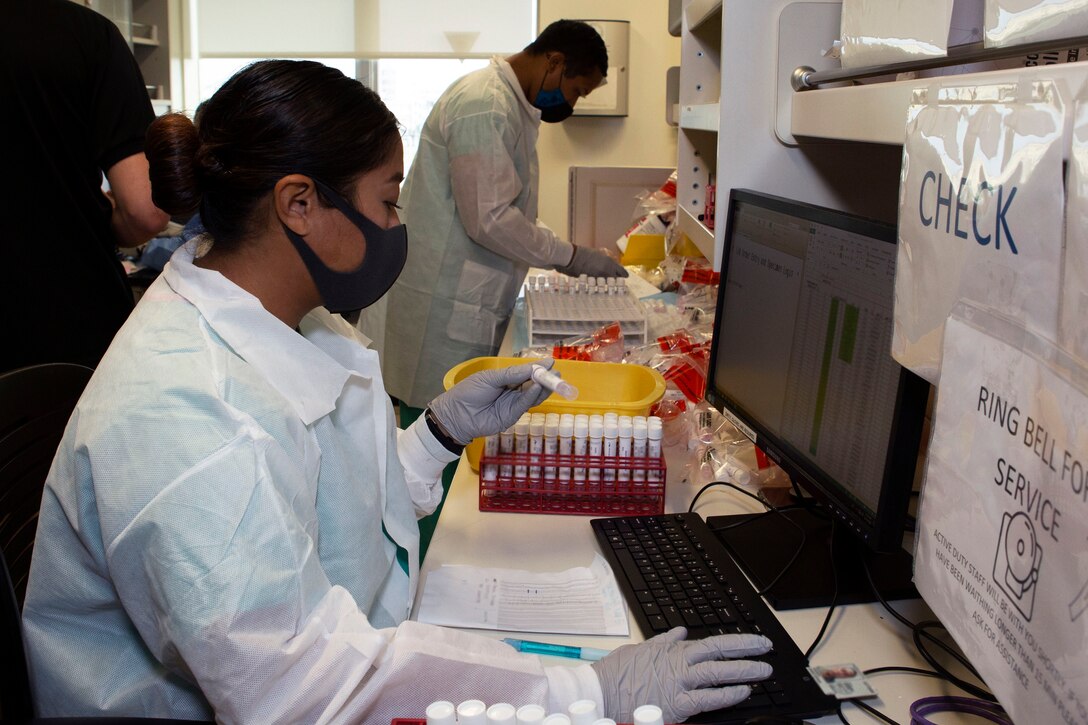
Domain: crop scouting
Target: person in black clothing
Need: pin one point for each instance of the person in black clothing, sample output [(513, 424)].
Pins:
[(74, 106)]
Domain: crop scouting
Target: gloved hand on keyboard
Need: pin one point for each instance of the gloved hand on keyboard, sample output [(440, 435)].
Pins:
[(592, 262), (683, 678), (489, 401)]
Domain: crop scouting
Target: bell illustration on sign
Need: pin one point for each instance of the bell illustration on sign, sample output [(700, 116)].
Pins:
[(1019, 556)]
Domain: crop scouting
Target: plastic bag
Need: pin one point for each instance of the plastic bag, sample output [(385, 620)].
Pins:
[(655, 212), (980, 212)]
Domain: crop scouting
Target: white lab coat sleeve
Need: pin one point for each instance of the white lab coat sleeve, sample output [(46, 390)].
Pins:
[(423, 458), (221, 576), (485, 185)]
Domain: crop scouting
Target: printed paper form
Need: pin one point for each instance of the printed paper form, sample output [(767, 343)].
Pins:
[(582, 600)]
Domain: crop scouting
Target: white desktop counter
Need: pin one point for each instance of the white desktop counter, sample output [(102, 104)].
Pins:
[(864, 634)]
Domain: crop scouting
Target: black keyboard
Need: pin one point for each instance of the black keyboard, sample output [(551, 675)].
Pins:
[(674, 572)]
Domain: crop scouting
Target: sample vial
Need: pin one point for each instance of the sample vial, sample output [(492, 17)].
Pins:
[(648, 715), (506, 446), (529, 715), (623, 448), (551, 447), (501, 713), (554, 382), (596, 448), (557, 718), (473, 712), (536, 446), (521, 448), (611, 449), (638, 449), (491, 449), (583, 712), (653, 447), (441, 712), (566, 446), (581, 447), (604, 721)]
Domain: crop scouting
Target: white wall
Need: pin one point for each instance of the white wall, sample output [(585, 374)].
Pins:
[(642, 138)]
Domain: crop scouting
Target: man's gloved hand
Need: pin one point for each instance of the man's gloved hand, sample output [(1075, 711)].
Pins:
[(489, 401), (592, 262), (683, 678)]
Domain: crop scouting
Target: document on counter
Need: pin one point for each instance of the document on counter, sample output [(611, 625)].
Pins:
[(582, 600)]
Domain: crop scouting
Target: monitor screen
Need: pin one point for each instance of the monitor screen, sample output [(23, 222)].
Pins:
[(801, 358)]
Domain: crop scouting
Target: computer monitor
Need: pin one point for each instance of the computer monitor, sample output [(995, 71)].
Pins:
[(801, 363)]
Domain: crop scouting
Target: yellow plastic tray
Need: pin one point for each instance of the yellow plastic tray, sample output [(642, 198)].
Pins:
[(626, 389)]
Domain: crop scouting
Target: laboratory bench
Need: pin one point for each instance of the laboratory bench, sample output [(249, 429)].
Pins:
[(863, 634)]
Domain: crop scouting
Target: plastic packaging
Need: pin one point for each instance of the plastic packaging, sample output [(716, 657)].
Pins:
[(878, 32)]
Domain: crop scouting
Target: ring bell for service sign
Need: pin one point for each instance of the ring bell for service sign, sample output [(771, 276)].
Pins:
[(1002, 543)]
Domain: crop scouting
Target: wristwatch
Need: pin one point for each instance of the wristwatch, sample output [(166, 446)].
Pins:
[(440, 433)]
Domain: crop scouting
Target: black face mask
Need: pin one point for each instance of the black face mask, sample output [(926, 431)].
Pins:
[(386, 252), (553, 104)]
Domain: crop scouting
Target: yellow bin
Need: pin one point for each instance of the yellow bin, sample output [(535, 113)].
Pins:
[(625, 389)]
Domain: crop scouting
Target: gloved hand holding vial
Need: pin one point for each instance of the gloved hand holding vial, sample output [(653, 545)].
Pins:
[(554, 382)]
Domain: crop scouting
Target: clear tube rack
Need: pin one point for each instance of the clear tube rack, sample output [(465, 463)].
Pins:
[(561, 307)]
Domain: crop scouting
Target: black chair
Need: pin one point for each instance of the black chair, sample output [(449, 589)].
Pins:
[(35, 404)]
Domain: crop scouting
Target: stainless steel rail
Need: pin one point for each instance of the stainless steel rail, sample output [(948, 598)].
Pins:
[(805, 78)]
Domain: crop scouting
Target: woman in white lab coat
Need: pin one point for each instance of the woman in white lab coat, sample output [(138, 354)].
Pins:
[(228, 528)]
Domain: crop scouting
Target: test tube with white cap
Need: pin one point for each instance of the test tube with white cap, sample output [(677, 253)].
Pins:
[(554, 382), (521, 448), (654, 432), (604, 721), (501, 713), (551, 447), (596, 449), (557, 718), (583, 712), (648, 715), (536, 446), (441, 712), (472, 712), (530, 715), (566, 445), (581, 447)]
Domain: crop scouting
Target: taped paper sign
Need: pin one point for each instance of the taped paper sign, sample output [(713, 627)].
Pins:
[(1003, 519), (1073, 324), (1015, 22), (980, 213)]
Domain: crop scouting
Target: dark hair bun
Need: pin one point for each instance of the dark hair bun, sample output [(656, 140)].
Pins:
[(172, 145)]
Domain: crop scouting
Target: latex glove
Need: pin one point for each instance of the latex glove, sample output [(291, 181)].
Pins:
[(592, 262), (683, 678), (489, 401)]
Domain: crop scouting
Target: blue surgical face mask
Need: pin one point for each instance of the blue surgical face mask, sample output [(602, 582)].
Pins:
[(386, 252), (552, 103)]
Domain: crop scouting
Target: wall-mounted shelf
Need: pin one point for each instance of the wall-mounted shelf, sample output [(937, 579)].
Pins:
[(877, 112), (699, 116), (702, 12), (696, 231)]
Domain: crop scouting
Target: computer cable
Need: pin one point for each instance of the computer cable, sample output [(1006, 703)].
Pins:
[(834, 594), (920, 631), (993, 712), (772, 509)]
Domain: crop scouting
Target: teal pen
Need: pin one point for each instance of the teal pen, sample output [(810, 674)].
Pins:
[(558, 650)]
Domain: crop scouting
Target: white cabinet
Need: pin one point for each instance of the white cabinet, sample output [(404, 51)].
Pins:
[(698, 106), (152, 29), (734, 118)]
